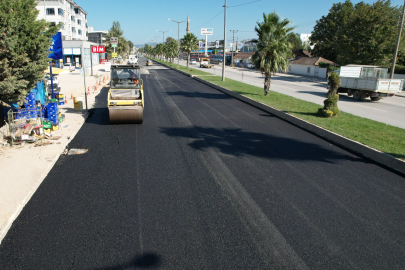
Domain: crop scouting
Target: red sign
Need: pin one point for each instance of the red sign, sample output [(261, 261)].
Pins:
[(98, 49), (103, 61)]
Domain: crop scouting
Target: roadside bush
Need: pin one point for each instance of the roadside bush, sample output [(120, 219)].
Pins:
[(330, 107)]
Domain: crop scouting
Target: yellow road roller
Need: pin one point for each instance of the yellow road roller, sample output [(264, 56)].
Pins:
[(125, 98)]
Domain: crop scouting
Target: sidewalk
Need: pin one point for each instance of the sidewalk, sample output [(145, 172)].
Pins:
[(24, 167)]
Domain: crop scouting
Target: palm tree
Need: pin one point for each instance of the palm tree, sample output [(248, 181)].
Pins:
[(189, 43), (273, 47)]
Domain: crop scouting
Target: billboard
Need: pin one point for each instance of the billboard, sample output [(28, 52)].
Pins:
[(207, 31)]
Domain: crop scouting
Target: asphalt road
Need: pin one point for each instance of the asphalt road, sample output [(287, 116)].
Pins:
[(207, 182), (390, 111)]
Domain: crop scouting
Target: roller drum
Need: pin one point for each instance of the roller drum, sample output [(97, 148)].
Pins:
[(126, 115)]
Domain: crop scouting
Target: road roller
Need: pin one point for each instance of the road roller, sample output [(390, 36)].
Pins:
[(125, 98)]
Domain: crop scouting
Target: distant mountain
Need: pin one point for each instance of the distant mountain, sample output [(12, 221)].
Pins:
[(153, 44)]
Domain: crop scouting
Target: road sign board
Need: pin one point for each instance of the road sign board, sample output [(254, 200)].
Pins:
[(207, 31), (84, 72), (113, 45), (113, 40), (200, 44), (217, 44), (114, 54), (98, 49)]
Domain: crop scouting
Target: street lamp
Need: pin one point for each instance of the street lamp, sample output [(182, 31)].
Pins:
[(164, 34), (156, 39), (178, 40)]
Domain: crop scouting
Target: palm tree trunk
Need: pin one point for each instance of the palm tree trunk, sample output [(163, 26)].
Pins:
[(188, 59), (267, 78)]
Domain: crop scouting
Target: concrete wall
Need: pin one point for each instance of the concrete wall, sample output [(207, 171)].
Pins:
[(303, 70)]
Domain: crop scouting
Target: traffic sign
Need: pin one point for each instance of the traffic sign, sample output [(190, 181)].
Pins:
[(217, 44), (113, 45), (113, 40), (207, 31), (114, 54), (98, 49)]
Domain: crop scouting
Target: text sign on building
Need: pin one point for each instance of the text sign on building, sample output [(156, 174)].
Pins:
[(98, 49), (113, 40), (103, 61), (207, 31)]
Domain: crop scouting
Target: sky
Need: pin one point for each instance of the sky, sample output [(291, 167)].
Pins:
[(140, 20)]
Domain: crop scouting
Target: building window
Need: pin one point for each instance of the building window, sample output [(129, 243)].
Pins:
[(73, 29), (72, 18), (50, 11), (60, 11), (62, 26), (72, 6), (61, 1), (77, 11), (79, 22), (52, 24), (79, 32)]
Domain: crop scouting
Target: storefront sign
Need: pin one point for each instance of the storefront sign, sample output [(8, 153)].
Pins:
[(103, 61), (98, 49)]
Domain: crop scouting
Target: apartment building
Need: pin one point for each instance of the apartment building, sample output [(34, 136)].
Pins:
[(99, 37), (67, 12), (76, 46)]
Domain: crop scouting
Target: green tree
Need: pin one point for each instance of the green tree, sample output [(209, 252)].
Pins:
[(170, 50), (273, 47), (116, 31), (130, 45), (24, 45), (188, 44), (169, 39), (296, 42), (358, 34)]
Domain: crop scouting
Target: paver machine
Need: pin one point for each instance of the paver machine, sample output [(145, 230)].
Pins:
[(125, 98)]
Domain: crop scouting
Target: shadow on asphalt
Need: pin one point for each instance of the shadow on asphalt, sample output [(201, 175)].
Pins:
[(199, 95), (239, 143), (146, 260)]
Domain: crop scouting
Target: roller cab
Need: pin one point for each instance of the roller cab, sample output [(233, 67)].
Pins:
[(125, 98)]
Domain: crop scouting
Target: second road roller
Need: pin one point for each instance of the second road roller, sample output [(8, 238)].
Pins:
[(125, 98)]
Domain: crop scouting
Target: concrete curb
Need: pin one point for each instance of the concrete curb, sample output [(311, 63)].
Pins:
[(347, 144)]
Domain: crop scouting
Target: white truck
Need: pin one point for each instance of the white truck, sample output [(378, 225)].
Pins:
[(362, 81), (133, 59)]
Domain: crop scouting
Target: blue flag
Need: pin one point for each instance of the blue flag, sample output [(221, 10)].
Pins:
[(56, 47)]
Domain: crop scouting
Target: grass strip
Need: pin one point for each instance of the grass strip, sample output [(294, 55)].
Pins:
[(383, 137)]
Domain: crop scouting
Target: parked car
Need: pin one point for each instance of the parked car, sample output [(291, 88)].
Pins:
[(69, 66), (48, 80), (193, 62), (149, 62), (250, 65)]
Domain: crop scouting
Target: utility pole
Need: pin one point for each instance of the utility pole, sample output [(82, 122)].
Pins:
[(394, 60), (233, 45), (224, 61)]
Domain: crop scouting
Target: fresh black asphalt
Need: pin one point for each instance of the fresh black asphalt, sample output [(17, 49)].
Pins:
[(207, 182)]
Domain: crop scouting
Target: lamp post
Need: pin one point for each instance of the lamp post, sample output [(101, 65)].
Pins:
[(156, 39), (178, 40), (164, 35)]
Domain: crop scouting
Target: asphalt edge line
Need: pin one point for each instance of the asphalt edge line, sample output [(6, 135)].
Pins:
[(355, 147), (31, 192)]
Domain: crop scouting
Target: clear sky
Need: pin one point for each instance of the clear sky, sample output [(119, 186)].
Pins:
[(140, 19)]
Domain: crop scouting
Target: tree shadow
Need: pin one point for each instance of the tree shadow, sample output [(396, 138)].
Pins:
[(240, 143), (145, 260)]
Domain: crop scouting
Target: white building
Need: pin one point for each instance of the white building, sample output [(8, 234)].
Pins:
[(67, 12), (99, 37), (76, 46)]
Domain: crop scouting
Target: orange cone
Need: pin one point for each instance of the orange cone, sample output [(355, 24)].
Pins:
[(95, 89), (99, 82), (88, 91), (104, 79), (71, 96), (66, 99)]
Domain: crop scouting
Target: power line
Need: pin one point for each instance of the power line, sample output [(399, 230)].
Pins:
[(209, 20), (245, 3)]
